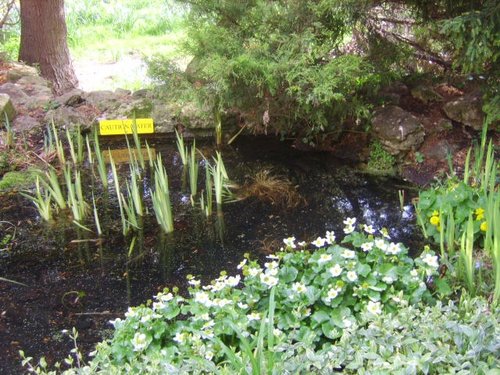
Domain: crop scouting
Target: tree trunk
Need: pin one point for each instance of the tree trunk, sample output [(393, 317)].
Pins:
[(43, 42)]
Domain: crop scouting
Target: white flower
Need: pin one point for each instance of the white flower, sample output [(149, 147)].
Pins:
[(302, 243), (253, 316), (139, 342), (349, 229), (208, 324), (209, 355), (254, 271), (347, 323), (277, 332), (374, 307), (319, 242), (325, 258), (203, 298), (290, 242), (272, 256), (131, 313), (221, 302), (242, 263), (332, 294), (414, 273), (330, 237), (387, 279), (116, 323), (352, 276), (194, 282), (233, 281), (180, 337), (367, 246), (380, 243), (368, 229), (350, 221), (393, 248), (299, 288), (269, 280), (271, 265), (430, 260), (396, 299), (145, 318), (348, 254), (165, 297), (242, 305), (336, 270)]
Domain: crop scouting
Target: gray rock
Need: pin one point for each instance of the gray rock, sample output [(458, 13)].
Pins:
[(33, 80), (26, 124), (39, 96), (17, 95), (123, 92), (393, 93), (441, 149), (466, 110), (164, 116), (68, 117), (142, 93), (71, 98), (397, 130), (103, 100), (426, 94), (17, 71), (6, 108), (192, 117), (140, 108)]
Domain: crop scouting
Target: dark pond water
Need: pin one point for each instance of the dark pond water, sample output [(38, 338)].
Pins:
[(72, 280)]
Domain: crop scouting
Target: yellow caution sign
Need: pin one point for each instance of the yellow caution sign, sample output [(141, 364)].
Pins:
[(120, 127)]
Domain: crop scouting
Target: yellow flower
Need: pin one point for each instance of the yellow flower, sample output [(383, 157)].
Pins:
[(484, 226), (479, 213), (434, 220)]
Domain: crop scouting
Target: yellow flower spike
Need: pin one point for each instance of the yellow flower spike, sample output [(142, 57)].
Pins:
[(484, 226), (479, 213), (434, 220)]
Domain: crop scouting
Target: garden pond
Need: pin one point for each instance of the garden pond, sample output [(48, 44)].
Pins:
[(71, 278)]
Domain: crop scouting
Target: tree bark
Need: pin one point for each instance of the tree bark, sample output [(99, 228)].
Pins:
[(43, 42)]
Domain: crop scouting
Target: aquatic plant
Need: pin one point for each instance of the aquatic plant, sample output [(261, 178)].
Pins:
[(51, 183), (183, 150), (42, 201), (125, 223), (273, 189), (58, 144), (161, 198), (137, 143), (206, 199), (76, 155), (101, 165), (8, 140), (97, 221), (76, 199), (90, 158), (380, 160), (193, 171)]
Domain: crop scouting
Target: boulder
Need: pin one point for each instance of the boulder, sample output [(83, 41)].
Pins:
[(69, 117), (104, 100), (397, 130), (17, 71), (26, 124), (6, 108), (426, 94), (33, 81), (71, 98), (165, 116), (17, 95), (192, 117), (393, 93), (140, 108), (466, 110)]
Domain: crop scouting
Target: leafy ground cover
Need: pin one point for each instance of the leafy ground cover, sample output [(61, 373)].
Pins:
[(360, 305)]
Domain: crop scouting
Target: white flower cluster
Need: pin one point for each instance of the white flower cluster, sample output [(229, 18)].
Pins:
[(349, 225)]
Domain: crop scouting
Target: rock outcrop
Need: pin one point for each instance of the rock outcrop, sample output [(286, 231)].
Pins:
[(397, 130)]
